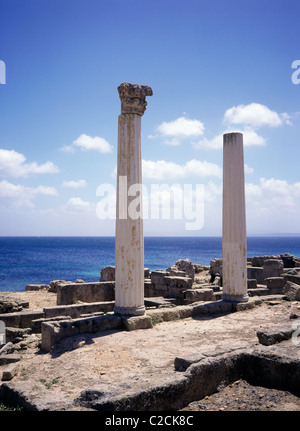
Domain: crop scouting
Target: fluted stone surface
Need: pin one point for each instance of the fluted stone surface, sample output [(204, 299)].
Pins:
[(129, 285), (234, 242)]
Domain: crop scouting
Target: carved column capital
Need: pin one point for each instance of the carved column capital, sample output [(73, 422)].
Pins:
[(133, 98)]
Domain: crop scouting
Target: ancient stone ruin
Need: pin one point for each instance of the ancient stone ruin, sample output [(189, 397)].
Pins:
[(130, 297)]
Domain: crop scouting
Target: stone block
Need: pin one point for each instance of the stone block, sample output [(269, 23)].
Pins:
[(252, 283), (108, 273), (275, 335), (275, 284), (34, 287), (53, 332), (76, 310), (202, 294), (85, 292), (257, 273), (37, 324), (293, 278), (8, 359), (291, 291), (137, 322), (54, 283), (22, 319), (10, 371), (182, 364), (273, 268), (157, 277), (15, 334), (215, 267)]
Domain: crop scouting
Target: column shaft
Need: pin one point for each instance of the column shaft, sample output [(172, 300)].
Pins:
[(129, 292), (234, 240)]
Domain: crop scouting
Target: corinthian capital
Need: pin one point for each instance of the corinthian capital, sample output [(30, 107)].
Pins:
[(133, 98)]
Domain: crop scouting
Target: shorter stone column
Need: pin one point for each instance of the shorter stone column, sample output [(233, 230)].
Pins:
[(234, 239)]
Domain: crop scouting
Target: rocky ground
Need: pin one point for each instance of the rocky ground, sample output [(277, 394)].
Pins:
[(79, 362)]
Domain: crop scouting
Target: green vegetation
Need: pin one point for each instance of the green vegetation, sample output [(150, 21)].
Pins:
[(4, 408)]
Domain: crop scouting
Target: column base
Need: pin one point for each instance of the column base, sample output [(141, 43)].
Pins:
[(130, 311), (235, 298)]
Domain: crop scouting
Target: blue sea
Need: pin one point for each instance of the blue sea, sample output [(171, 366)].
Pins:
[(36, 260)]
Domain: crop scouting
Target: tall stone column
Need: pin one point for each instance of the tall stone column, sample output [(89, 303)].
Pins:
[(129, 241), (234, 242)]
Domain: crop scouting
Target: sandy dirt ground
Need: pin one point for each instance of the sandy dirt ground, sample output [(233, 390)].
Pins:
[(79, 362)]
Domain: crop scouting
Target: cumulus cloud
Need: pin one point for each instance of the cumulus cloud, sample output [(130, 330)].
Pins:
[(74, 184), (23, 196), (273, 193), (77, 204), (255, 115), (13, 164), (250, 138), (88, 143), (163, 170), (179, 129)]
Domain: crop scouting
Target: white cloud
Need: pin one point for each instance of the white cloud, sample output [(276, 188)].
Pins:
[(163, 170), (23, 196), (255, 115), (74, 184), (88, 143), (250, 138), (273, 193), (247, 169), (77, 204), (12, 164), (179, 129)]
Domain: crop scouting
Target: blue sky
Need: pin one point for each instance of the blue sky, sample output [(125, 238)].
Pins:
[(214, 66)]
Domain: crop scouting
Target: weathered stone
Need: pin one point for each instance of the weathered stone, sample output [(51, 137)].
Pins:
[(271, 336), (291, 291), (54, 283), (159, 302), (234, 240), (108, 273), (275, 284), (257, 273), (53, 332), (293, 278), (273, 268), (80, 342), (183, 363), (10, 305), (203, 294), (33, 287), (8, 348), (37, 323), (215, 267), (252, 283), (85, 292), (187, 267), (133, 98), (76, 310), (9, 358), (14, 334), (137, 322), (22, 319), (10, 371)]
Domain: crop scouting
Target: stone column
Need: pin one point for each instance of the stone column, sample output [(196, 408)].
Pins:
[(234, 241), (129, 242)]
